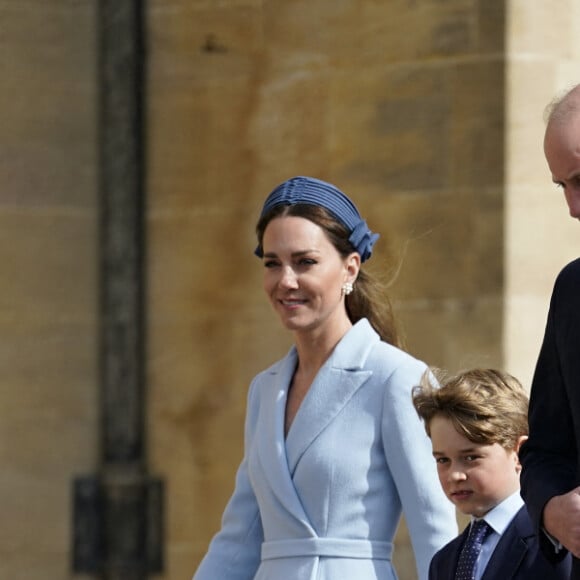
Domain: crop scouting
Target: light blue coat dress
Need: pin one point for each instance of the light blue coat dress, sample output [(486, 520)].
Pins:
[(324, 503)]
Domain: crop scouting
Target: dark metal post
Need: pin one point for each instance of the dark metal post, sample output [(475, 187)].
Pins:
[(118, 513)]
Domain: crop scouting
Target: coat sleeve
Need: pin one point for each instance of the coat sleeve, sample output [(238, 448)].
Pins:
[(549, 457), (430, 516), (234, 552)]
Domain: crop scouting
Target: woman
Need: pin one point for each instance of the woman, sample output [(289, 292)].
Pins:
[(334, 450)]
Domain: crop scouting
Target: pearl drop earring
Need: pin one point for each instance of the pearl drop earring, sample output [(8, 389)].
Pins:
[(347, 288)]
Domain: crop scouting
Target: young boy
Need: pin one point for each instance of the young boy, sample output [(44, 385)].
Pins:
[(477, 422)]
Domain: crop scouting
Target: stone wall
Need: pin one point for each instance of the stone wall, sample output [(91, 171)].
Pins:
[(402, 105), (543, 59), (48, 286), (427, 113)]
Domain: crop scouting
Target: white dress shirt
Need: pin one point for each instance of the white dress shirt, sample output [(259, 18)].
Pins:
[(499, 518)]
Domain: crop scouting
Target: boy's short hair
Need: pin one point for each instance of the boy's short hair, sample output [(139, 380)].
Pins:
[(486, 406)]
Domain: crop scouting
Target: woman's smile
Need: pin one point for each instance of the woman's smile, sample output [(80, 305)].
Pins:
[(303, 275)]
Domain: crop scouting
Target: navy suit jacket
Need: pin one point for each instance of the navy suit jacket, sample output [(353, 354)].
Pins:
[(516, 557), (551, 456)]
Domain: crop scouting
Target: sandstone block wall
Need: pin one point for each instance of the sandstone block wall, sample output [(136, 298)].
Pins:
[(48, 285), (402, 105), (542, 59), (427, 113)]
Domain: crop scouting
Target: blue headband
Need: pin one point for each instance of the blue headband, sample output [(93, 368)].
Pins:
[(311, 191)]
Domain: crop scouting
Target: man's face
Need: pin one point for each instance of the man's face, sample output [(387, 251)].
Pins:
[(562, 151)]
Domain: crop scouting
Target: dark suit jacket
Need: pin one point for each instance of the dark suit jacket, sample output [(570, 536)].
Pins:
[(550, 457), (516, 556)]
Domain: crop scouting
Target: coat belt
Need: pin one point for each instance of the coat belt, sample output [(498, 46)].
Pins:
[(334, 547)]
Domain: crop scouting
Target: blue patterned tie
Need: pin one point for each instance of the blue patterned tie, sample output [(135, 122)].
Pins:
[(470, 551)]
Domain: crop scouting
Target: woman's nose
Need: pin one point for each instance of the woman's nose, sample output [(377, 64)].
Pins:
[(288, 278)]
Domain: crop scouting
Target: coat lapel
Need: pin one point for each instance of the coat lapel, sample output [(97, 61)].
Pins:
[(271, 445), (510, 550), (336, 383), (339, 379)]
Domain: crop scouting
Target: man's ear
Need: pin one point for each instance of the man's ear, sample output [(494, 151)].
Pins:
[(521, 440)]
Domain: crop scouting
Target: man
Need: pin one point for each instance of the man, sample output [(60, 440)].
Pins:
[(551, 456)]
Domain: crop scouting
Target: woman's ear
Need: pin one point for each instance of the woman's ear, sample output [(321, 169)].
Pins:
[(352, 265)]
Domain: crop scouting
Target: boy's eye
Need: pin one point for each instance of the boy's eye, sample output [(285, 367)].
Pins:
[(471, 457), (270, 263), (441, 460)]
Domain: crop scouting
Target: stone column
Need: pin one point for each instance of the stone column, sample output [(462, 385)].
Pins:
[(117, 512)]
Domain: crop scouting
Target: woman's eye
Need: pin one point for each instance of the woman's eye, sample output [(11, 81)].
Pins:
[(270, 264), (307, 262)]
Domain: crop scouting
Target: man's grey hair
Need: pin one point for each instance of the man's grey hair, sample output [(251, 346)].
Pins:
[(563, 105)]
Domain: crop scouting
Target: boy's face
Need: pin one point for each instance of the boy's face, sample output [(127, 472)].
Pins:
[(474, 477)]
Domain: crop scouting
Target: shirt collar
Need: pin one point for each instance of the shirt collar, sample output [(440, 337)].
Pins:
[(503, 513)]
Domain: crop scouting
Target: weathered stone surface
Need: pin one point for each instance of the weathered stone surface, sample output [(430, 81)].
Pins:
[(244, 95), (48, 287), (48, 410), (428, 113), (48, 103), (540, 238)]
